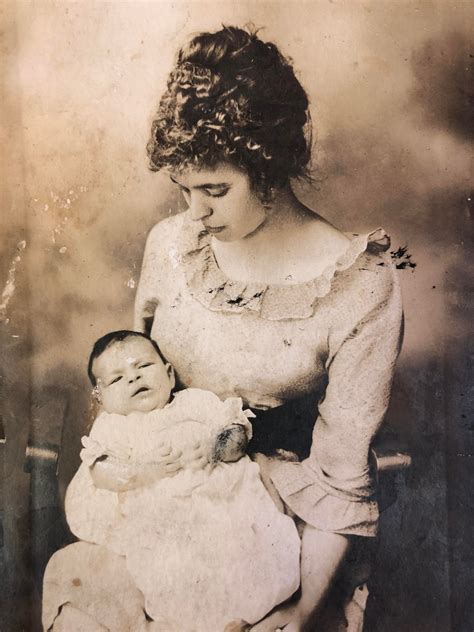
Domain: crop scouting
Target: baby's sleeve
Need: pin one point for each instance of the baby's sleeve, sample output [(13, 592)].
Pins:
[(95, 445), (92, 514), (103, 427), (208, 408), (234, 413)]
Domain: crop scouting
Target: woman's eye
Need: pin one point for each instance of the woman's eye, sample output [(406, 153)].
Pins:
[(119, 377), (218, 195), (143, 366)]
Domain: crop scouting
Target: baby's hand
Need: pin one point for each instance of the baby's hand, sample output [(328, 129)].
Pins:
[(162, 462), (231, 444)]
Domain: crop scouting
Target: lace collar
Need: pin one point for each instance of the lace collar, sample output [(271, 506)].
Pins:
[(213, 289)]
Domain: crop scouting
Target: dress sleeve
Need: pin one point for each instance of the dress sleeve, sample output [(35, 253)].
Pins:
[(333, 489), (158, 252), (207, 407), (92, 513), (95, 445)]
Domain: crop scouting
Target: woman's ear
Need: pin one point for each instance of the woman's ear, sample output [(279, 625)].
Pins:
[(171, 375)]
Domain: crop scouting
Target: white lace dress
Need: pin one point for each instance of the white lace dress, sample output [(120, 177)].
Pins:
[(206, 546)]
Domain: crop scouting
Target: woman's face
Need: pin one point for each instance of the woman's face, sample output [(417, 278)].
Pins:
[(222, 199)]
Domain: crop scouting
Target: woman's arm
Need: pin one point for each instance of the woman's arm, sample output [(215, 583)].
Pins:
[(153, 275), (333, 489)]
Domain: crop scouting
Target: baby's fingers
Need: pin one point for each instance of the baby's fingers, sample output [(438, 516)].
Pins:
[(200, 450), (200, 463)]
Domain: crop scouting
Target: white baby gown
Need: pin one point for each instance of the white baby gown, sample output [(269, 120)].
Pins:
[(206, 546)]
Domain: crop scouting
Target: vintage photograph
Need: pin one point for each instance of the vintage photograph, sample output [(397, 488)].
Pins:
[(236, 314)]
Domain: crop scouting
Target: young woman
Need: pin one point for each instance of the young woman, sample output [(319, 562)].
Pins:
[(250, 293)]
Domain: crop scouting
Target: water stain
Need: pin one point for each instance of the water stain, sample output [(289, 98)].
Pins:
[(444, 71), (10, 285)]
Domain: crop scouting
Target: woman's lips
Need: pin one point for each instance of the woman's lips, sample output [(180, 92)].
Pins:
[(214, 229)]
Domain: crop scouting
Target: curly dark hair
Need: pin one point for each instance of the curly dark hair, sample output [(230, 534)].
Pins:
[(233, 98)]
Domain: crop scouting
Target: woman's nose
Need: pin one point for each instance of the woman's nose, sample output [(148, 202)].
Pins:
[(134, 376), (199, 209)]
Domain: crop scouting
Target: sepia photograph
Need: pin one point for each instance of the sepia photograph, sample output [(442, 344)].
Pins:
[(236, 345)]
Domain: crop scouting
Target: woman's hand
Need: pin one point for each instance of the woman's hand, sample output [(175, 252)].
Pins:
[(230, 444), (163, 462), (165, 458)]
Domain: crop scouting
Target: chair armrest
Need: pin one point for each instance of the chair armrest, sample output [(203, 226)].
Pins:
[(389, 460)]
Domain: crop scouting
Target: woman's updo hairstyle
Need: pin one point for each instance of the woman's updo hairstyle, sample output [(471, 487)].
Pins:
[(233, 98)]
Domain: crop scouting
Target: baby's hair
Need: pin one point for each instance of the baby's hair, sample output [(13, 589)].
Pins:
[(110, 339), (233, 98)]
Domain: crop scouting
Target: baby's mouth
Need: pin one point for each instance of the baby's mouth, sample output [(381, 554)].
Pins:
[(142, 389)]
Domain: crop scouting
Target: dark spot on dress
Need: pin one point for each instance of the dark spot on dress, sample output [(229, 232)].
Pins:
[(76, 582), (235, 301), (402, 258)]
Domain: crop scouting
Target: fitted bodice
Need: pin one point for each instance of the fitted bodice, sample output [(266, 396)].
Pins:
[(267, 345), (238, 354)]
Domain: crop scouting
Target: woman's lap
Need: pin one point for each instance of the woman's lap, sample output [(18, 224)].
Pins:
[(95, 581), (98, 591), (96, 584)]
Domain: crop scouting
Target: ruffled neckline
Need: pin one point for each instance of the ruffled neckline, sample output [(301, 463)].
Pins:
[(208, 284)]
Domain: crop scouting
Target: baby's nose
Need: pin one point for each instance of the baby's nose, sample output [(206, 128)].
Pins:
[(134, 377)]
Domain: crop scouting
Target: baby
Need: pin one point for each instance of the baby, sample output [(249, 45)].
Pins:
[(166, 484)]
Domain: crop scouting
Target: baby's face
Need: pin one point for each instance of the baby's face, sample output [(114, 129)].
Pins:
[(131, 377)]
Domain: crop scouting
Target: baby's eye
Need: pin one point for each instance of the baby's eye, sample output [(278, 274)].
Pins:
[(119, 377), (143, 366)]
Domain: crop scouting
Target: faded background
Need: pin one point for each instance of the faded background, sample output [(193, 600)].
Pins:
[(391, 90)]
